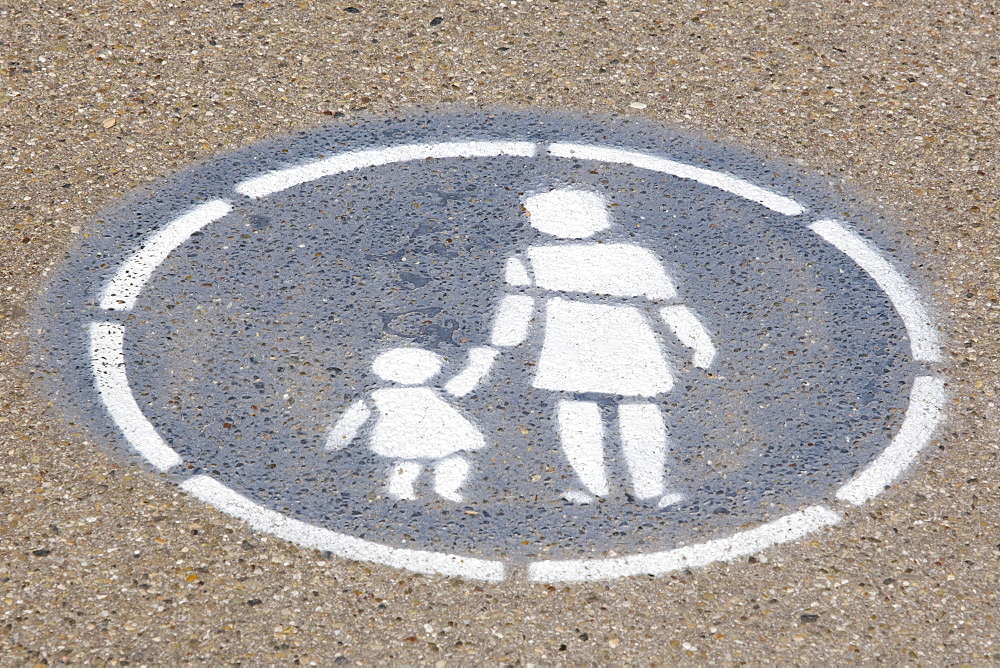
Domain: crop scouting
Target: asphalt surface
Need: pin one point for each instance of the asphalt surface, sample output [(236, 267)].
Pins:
[(105, 562)]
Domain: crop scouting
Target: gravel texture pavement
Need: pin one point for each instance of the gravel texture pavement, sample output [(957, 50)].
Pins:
[(103, 562)]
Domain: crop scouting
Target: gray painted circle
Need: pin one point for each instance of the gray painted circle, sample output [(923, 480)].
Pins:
[(357, 339)]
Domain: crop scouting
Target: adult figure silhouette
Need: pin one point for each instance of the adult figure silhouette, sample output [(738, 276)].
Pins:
[(598, 341)]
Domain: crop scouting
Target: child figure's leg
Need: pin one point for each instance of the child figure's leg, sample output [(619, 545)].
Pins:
[(449, 474), (401, 478)]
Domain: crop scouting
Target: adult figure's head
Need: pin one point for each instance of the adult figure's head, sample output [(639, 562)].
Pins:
[(568, 213)]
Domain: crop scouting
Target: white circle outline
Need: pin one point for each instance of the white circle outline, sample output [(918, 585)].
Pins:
[(924, 412)]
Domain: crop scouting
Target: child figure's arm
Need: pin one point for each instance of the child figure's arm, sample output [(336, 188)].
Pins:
[(510, 328), (480, 362), (346, 428)]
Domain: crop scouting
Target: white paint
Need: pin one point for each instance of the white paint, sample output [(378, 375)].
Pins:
[(600, 348), (278, 180), (742, 544), (577, 496), (346, 428), (644, 443), (618, 270), (402, 477), (730, 184), (513, 320), (689, 330), (670, 499), (415, 423), (480, 362), (924, 413), (567, 213), (425, 427), (515, 273), (262, 519), (924, 342), (581, 433), (107, 358), (124, 287), (449, 476), (408, 366)]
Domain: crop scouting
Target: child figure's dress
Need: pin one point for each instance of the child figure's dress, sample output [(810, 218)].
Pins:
[(416, 423)]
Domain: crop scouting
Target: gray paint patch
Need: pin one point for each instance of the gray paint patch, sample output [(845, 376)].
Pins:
[(240, 325)]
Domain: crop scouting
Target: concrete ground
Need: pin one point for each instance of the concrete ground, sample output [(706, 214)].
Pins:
[(103, 562)]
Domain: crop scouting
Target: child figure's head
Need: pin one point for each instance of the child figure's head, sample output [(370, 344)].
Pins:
[(408, 366)]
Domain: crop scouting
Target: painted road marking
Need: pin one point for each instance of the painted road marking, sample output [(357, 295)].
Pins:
[(923, 335), (272, 182), (262, 519), (730, 184), (742, 544), (107, 356), (923, 415), (414, 424), (123, 289), (579, 283)]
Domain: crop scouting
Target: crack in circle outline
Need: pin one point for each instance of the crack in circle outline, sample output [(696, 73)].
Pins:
[(923, 414)]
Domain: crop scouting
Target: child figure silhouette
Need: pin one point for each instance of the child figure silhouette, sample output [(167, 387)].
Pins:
[(414, 425)]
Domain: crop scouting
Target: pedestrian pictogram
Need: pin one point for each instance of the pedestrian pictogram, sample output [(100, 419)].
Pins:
[(588, 347), (414, 424), (502, 345)]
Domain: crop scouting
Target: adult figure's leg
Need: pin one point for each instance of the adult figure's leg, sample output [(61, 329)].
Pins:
[(449, 474), (401, 478), (644, 443), (581, 432)]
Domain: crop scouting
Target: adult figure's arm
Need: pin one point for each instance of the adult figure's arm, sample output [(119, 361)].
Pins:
[(513, 321), (686, 327), (346, 428), (514, 317)]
